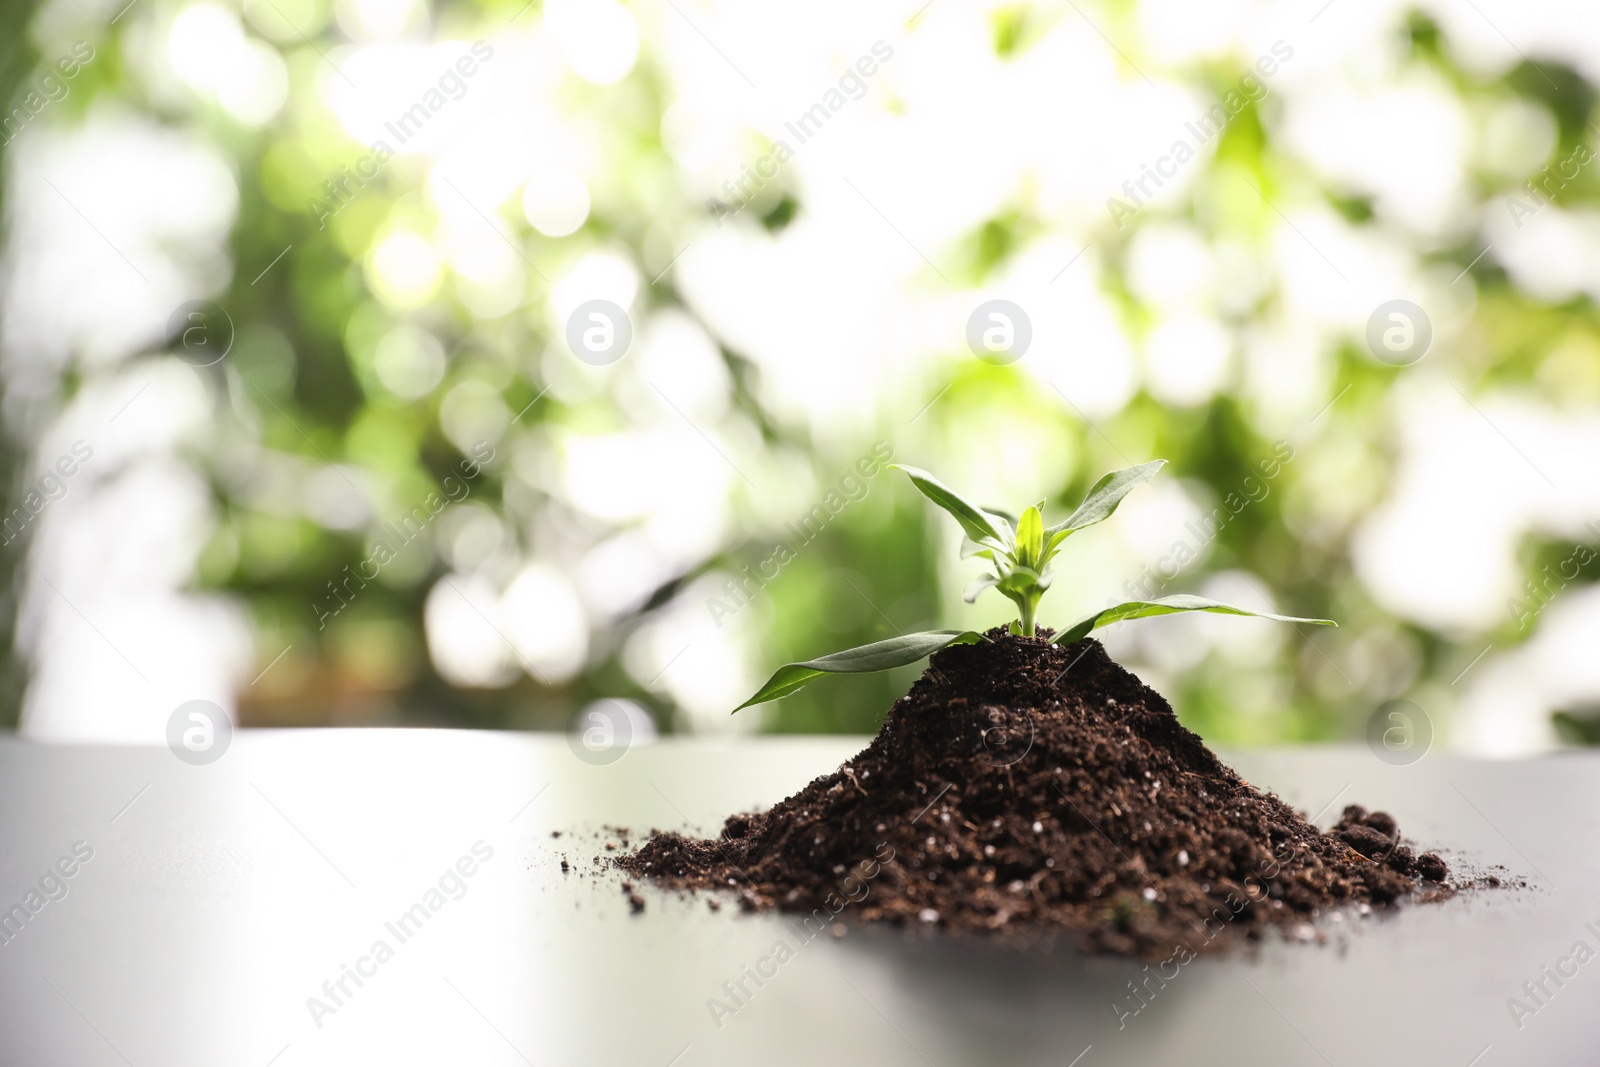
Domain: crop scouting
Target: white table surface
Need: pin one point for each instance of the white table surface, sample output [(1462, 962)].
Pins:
[(219, 899)]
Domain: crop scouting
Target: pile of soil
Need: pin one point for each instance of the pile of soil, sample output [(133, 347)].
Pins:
[(1031, 790)]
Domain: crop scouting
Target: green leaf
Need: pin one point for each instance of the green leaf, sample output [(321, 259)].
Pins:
[(878, 656), (1106, 495), (977, 523), (971, 548), (1030, 538), (973, 589), (1140, 609), (1022, 580)]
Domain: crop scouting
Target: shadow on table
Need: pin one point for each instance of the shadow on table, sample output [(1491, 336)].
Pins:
[(1045, 1003)]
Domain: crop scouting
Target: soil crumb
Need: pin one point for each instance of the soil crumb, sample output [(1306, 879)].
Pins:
[(1035, 792)]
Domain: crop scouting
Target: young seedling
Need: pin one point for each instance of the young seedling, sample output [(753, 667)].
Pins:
[(1020, 551)]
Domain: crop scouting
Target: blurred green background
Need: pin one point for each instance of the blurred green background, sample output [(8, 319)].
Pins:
[(784, 326)]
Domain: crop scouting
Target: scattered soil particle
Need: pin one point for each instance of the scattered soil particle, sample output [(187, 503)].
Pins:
[(1434, 869), (564, 867), (1031, 791), (1365, 840)]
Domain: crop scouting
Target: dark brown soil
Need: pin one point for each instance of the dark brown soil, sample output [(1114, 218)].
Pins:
[(1032, 791)]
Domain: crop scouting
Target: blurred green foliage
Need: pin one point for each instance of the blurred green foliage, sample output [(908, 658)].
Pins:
[(17, 60), (301, 382)]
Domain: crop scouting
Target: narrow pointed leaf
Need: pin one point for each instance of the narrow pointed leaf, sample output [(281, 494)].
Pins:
[(973, 589), (878, 656), (978, 524), (1030, 538), (1107, 494), (971, 548), (1140, 609)]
